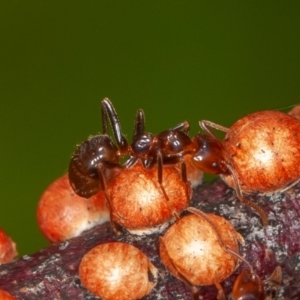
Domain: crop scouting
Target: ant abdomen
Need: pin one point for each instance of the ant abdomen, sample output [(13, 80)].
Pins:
[(208, 155), (89, 161)]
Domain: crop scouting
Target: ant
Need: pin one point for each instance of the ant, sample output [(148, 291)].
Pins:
[(97, 160)]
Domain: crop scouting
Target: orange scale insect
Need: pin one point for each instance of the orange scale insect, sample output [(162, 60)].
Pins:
[(194, 249)]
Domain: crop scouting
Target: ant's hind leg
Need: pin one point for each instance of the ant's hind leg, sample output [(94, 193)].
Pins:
[(183, 126), (108, 111)]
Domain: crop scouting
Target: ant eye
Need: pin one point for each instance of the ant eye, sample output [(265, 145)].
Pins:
[(215, 165)]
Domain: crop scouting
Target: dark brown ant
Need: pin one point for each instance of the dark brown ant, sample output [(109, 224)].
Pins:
[(171, 147), (96, 160)]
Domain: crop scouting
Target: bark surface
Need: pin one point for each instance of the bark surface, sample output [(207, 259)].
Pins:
[(52, 273)]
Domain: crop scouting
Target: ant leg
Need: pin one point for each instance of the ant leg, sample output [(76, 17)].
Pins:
[(221, 295), (240, 196), (273, 283), (183, 172), (183, 126), (184, 178), (160, 180), (103, 184), (276, 276), (108, 111), (204, 124)]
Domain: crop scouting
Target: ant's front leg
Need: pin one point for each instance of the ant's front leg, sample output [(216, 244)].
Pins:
[(103, 184), (248, 202)]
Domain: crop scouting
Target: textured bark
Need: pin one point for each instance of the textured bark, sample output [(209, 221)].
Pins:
[(52, 273)]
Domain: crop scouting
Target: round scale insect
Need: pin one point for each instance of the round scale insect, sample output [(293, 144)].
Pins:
[(194, 249), (62, 214), (263, 148), (117, 271), (138, 203), (202, 249), (260, 154)]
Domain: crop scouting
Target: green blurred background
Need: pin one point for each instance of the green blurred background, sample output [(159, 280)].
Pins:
[(178, 60)]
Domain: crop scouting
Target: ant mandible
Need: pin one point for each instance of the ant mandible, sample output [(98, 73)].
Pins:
[(97, 160)]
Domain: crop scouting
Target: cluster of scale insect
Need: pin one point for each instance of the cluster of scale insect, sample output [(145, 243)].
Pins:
[(251, 159)]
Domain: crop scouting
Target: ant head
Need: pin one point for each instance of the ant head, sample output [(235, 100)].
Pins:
[(208, 155), (247, 286)]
